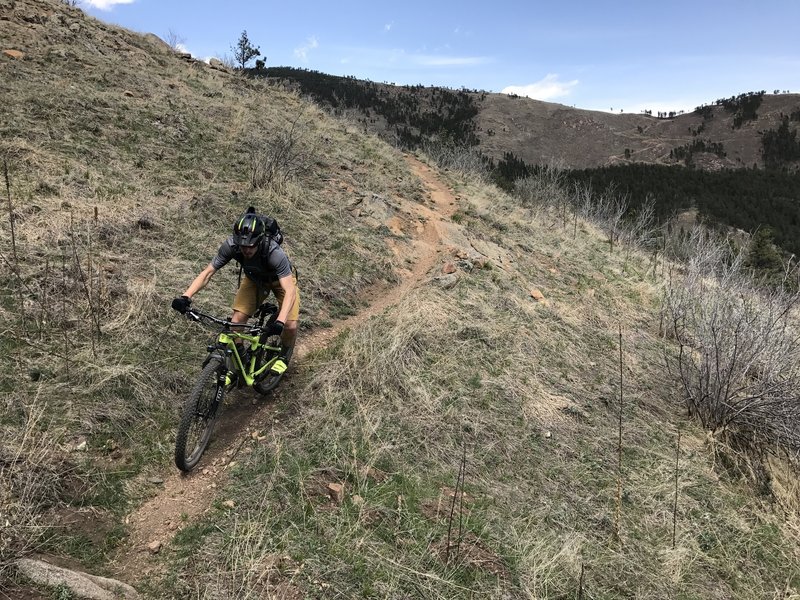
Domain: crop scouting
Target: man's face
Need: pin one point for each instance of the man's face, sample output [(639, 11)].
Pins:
[(248, 251)]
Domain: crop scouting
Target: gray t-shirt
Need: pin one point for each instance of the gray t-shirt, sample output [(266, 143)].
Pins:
[(269, 264)]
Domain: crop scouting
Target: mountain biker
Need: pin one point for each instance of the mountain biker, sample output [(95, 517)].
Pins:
[(266, 268)]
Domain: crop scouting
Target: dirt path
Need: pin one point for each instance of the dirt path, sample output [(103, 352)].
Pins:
[(182, 498)]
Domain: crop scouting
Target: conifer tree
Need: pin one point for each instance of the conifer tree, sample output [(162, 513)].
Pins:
[(244, 51)]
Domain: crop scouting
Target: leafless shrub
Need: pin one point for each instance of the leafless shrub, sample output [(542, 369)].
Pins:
[(175, 41), (227, 60), (738, 357), (278, 157), (544, 189), (457, 158), (640, 230), (547, 189)]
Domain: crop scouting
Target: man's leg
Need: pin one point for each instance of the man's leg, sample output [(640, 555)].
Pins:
[(244, 305), (289, 336)]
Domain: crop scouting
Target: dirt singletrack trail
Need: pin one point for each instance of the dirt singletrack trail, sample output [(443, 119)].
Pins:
[(182, 498)]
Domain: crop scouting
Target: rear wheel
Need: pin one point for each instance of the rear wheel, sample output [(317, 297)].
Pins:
[(199, 415)]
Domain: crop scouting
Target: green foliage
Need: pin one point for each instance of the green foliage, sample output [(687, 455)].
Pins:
[(706, 111), (686, 152), (744, 107), (745, 199), (764, 258), (415, 113), (509, 169), (780, 146), (244, 51)]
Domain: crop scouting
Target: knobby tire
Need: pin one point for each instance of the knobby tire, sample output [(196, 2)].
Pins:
[(199, 415), (269, 381)]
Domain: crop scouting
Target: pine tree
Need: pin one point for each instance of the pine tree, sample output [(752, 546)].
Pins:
[(244, 51)]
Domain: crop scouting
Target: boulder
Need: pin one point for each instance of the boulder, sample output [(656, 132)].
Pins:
[(83, 585)]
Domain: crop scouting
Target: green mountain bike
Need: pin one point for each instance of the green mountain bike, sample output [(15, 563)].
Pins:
[(224, 369)]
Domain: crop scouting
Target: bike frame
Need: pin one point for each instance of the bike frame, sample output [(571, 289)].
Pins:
[(226, 340), (226, 346)]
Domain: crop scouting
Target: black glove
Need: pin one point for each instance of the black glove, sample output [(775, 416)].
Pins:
[(182, 304), (275, 328)]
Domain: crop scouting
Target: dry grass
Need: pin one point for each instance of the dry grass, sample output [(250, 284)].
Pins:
[(122, 188), (529, 388)]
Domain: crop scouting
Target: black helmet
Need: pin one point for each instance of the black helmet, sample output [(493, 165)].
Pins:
[(248, 230)]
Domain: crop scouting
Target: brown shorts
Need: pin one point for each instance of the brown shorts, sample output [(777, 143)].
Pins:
[(248, 299)]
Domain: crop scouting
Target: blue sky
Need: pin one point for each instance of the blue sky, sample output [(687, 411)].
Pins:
[(594, 55)]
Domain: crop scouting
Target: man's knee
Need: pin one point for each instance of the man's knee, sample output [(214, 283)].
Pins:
[(239, 317)]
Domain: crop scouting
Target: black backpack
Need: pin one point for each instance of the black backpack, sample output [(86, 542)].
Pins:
[(273, 232), (271, 226)]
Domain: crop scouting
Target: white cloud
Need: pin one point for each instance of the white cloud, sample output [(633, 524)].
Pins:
[(547, 89), (106, 4), (302, 52), (388, 26)]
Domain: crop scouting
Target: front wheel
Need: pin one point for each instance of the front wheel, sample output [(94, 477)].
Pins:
[(199, 415)]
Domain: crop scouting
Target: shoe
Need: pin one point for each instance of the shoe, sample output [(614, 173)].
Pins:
[(282, 363)]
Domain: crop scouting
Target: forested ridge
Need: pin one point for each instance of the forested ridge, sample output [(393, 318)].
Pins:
[(742, 198), (413, 113), (745, 198)]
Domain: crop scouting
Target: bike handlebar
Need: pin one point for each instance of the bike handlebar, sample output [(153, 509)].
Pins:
[(265, 309)]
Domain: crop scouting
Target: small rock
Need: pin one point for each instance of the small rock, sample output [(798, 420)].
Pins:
[(172, 526), (155, 480), (15, 54), (229, 504), (479, 263), (358, 500), (336, 492), (154, 547), (81, 447), (548, 435), (446, 281), (128, 94), (448, 268)]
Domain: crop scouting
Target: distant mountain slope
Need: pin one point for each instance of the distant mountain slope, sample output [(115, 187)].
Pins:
[(725, 134)]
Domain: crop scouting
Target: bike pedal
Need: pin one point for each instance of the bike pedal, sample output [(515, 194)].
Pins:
[(279, 366)]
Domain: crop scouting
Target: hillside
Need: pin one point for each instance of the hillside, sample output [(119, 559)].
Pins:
[(451, 425), (731, 130)]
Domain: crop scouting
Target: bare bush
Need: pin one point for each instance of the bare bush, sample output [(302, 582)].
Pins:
[(457, 158), (175, 41), (738, 357), (277, 158), (546, 188)]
